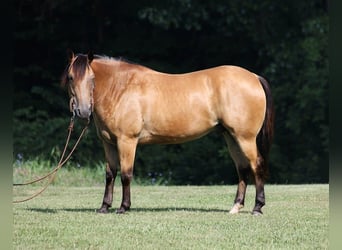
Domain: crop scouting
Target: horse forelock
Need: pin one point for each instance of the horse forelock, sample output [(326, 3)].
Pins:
[(79, 66)]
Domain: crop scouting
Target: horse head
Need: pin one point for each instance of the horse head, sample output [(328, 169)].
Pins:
[(79, 78)]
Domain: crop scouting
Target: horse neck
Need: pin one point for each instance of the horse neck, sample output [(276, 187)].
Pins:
[(111, 78)]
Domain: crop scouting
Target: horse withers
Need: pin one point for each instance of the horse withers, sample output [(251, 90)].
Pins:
[(132, 105)]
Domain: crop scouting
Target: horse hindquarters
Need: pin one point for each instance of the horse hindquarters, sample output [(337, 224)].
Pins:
[(249, 148), (245, 156)]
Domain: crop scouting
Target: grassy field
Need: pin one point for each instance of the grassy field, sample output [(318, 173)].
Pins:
[(172, 217)]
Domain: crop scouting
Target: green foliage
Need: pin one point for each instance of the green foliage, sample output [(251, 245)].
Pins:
[(285, 41), (302, 103), (33, 131)]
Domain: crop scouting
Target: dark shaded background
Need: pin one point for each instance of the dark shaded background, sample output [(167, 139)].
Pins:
[(285, 41)]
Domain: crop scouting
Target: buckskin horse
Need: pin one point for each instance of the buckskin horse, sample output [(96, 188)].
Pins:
[(132, 104)]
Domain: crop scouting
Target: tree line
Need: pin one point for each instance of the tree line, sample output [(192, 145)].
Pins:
[(284, 41)]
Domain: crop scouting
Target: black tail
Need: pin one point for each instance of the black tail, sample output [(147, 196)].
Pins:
[(265, 136)]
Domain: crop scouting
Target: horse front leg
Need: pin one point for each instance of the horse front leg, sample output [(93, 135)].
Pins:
[(127, 150), (109, 188), (126, 179), (111, 172)]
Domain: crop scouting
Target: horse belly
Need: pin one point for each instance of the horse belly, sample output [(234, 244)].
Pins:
[(148, 138), (181, 129)]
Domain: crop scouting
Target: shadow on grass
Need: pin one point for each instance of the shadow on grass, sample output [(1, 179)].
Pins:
[(53, 211), (184, 209), (43, 210), (176, 209), (135, 210)]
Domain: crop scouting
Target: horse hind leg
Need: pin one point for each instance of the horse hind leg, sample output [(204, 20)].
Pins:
[(239, 201), (245, 156), (243, 170), (256, 162), (259, 187)]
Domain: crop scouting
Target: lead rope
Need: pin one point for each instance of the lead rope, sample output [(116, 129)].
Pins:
[(60, 163)]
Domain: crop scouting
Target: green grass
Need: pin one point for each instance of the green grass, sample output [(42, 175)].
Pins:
[(68, 175), (172, 217)]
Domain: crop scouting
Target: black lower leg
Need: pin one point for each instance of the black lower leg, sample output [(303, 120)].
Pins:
[(242, 186), (259, 196), (109, 188), (126, 193)]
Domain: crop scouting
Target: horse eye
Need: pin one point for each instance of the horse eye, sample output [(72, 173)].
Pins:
[(70, 78)]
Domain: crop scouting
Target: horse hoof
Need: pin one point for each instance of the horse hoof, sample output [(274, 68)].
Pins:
[(236, 209), (102, 210), (121, 210), (257, 213)]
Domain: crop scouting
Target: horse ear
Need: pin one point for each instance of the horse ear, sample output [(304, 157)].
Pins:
[(90, 56), (70, 54)]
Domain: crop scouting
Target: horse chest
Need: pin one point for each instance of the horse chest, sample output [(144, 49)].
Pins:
[(105, 135)]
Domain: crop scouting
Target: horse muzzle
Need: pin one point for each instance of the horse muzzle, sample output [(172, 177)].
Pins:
[(82, 111)]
